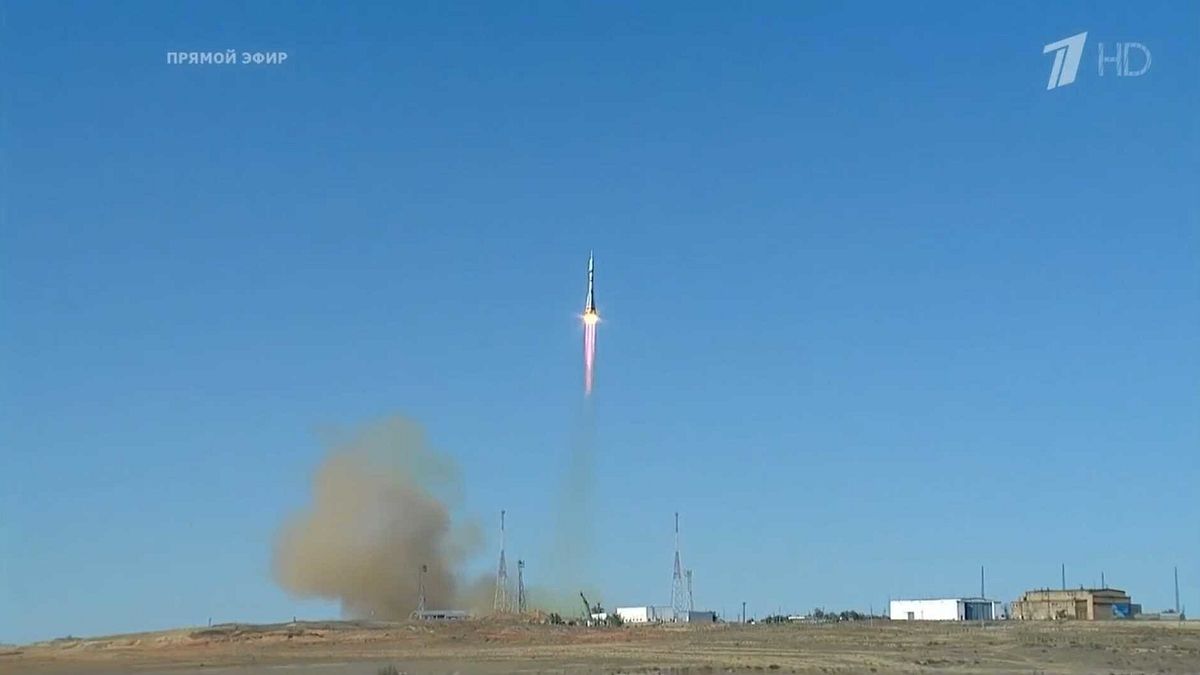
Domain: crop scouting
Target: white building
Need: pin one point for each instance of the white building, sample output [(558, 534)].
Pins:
[(945, 609), (637, 614), (441, 615), (650, 614)]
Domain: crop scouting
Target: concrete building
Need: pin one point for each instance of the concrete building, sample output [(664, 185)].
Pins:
[(441, 615), (944, 609), (639, 614), (697, 616), (650, 614), (1083, 604)]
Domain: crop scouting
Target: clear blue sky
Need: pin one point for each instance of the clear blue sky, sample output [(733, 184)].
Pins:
[(879, 307)]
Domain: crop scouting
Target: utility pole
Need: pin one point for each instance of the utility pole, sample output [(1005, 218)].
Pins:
[(743, 611), (1103, 584), (982, 594), (1064, 576)]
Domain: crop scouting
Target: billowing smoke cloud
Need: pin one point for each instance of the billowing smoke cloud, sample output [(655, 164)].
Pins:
[(379, 512)]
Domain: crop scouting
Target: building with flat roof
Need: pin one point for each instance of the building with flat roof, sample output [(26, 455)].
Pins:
[(1081, 604), (698, 616), (649, 614), (944, 609), (440, 615), (643, 614)]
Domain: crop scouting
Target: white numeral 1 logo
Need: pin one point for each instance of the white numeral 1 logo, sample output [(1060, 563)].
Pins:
[(1067, 52)]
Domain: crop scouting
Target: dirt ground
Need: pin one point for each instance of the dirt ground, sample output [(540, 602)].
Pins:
[(491, 646)]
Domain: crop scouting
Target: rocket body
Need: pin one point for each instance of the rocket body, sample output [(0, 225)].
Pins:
[(590, 318), (589, 305)]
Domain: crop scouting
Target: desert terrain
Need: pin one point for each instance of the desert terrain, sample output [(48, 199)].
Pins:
[(516, 646)]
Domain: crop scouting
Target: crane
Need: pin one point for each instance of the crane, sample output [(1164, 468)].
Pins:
[(587, 610)]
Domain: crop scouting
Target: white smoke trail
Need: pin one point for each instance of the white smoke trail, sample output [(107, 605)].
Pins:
[(574, 521)]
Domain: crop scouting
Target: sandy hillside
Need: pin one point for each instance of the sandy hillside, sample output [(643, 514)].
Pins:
[(496, 646)]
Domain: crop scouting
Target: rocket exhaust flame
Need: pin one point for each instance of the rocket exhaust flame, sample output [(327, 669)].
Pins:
[(590, 318), (589, 352)]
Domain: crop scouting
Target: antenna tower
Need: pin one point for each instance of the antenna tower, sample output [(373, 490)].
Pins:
[(691, 604), (1178, 611), (501, 602), (521, 586), (678, 600), (420, 592)]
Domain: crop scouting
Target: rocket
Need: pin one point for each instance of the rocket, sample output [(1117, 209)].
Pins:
[(589, 306), (590, 318)]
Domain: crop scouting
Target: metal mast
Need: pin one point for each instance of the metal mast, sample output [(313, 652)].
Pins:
[(1177, 610), (521, 586), (501, 602), (420, 592), (678, 600), (691, 604)]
